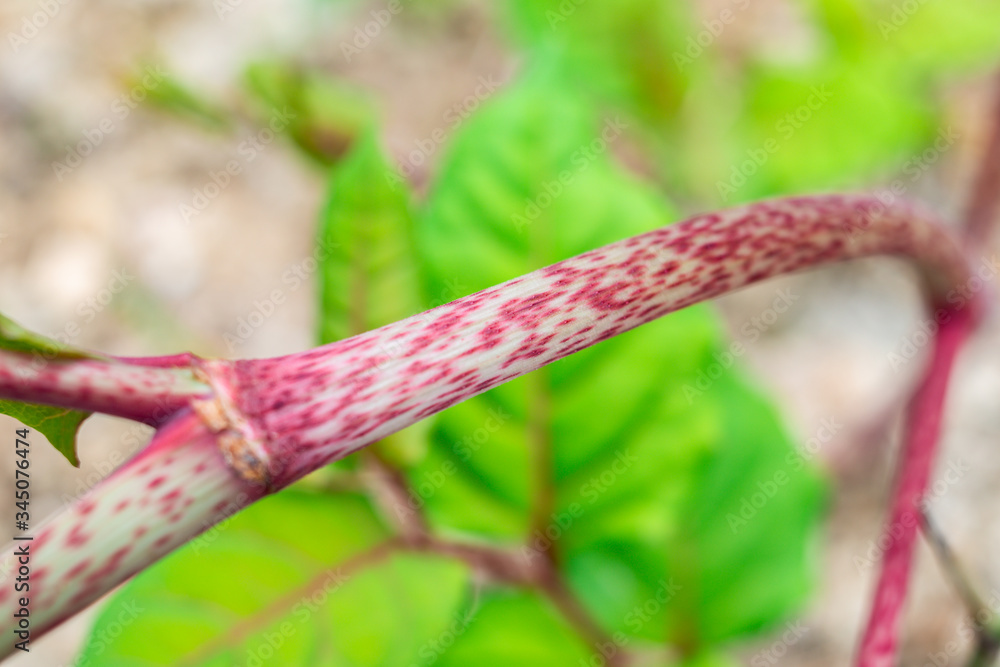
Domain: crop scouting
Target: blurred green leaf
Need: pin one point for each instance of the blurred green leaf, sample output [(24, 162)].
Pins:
[(176, 98), (326, 114), (367, 275), (514, 628), (923, 37), (623, 50), (367, 272), (291, 580), (15, 338), (832, 126), (863, 102), (58, 425), (525, 184)]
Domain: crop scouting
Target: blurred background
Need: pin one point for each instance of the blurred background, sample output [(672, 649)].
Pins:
[(166, 165)]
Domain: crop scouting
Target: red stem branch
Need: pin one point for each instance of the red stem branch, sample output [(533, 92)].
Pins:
[(921, 436), (146, 393)]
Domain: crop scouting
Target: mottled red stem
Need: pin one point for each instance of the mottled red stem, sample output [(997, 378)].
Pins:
[(177, 487), (269, 422), (311, 408), (145, 393), (922, 432)]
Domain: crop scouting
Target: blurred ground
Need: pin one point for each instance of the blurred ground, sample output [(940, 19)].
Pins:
[(114, 222)]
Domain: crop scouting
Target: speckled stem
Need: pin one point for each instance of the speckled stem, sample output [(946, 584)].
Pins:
[(177, 487), (269, 422), (145, 393), (310, 408)]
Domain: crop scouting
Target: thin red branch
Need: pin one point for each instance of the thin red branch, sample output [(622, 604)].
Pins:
[(923, 430), (148, 394)]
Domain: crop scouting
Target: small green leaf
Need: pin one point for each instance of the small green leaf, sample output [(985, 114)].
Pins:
[(15, 338), (326, 115), (58, 425), (367, 274), (176, 98)]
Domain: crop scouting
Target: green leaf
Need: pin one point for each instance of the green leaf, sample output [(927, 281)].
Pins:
[(58, 425), (624, 51), (15, 338), (292, 580), (832, 125), (862, 102), (325, 114), (515, 628), (627, 452), (367, 273), (926, 37)]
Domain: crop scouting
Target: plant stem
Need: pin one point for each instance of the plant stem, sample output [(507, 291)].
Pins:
[(170, 492), (145, 393), (269, 422), (922, 432), (314, 407)]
